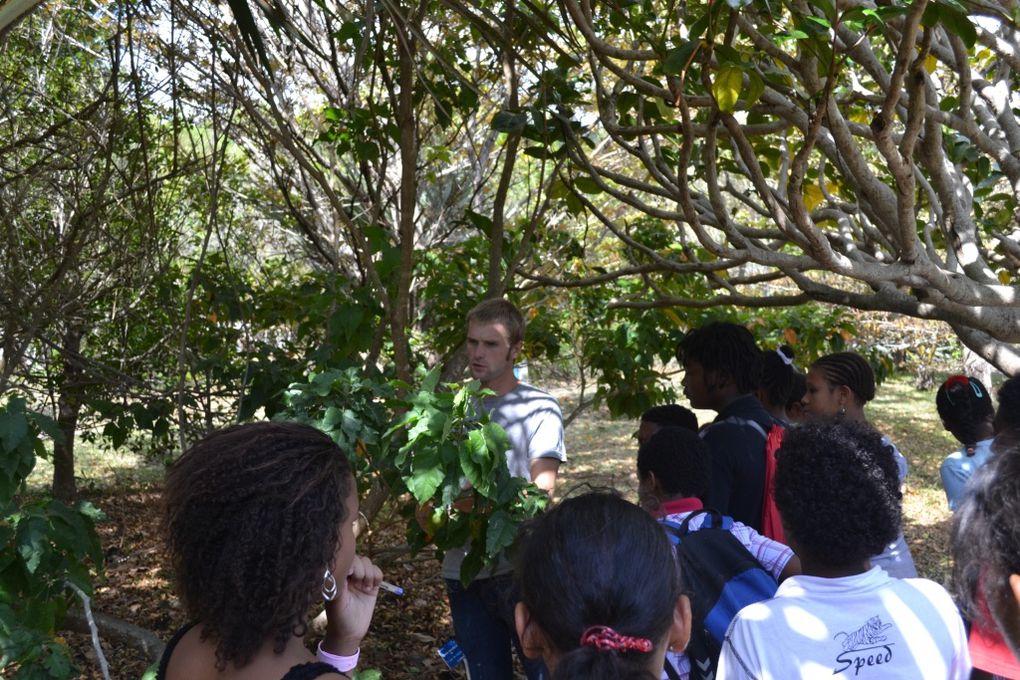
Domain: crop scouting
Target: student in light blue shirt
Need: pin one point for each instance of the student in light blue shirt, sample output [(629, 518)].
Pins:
[(966, 410)]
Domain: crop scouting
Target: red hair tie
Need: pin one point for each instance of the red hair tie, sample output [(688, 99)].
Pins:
[(956, 380), (604, 637)]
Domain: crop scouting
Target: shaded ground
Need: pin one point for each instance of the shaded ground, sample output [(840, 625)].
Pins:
[(407, 631)]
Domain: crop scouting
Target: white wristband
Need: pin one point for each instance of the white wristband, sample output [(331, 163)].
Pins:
[(341, 663)]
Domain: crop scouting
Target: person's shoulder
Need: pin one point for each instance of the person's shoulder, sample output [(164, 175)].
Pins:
[(527, 393), (756, 614), (530, 391), (930, 589)]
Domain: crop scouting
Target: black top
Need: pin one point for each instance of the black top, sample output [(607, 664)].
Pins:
[(302, 671), (738, 460)]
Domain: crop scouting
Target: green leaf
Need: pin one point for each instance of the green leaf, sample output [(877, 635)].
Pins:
[(958, 23), (828, 9), (510, 123), (431, 381), (930, 18), (755, 89), (726, 88), (423, 484), (587, 185), (678, 58), (13, 428), (56, 662), (500, 534), (367, 674), (473, 458), (538, 152), (472, 564), (33, 543), (495, 437)]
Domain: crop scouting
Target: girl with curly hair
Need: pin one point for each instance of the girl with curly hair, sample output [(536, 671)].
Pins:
[(839, 495), (838, 386), (259, 523)]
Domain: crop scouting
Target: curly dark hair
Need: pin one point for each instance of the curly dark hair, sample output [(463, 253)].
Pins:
[(725, 348), (597, 560), (964, 404), (252, 519), (680, 460), (838, 491), (986, 536), (849, 369)]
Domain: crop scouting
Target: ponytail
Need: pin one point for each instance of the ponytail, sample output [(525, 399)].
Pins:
[(602, 664), (600, 580)]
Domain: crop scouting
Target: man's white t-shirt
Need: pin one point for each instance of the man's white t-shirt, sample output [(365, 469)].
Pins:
[(534, 426)]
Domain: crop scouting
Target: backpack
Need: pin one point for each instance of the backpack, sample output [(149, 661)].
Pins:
[(771, 526), (722, 577)]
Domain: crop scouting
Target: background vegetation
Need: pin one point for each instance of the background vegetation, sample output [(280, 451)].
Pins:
[(210, 215)]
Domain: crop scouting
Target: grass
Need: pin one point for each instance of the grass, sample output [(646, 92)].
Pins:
[(99, 467)]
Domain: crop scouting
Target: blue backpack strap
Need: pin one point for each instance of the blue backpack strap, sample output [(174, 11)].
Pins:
[(746, 422), (712, 519)]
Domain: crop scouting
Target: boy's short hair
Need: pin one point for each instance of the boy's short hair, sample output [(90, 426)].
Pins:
[(837, 488), (671, 415), (680, 461), (498, 310)]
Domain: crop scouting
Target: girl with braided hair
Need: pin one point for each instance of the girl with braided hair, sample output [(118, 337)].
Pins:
[(600, 591), (965, 408), (839, 385), (259, 524)]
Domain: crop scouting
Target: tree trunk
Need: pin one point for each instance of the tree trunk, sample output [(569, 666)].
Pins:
[(68, 409), (400, 313)]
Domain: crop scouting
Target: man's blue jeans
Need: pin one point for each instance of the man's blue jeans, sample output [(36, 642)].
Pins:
[(483, 619)]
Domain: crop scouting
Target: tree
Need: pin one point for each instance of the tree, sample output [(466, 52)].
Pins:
[(852, 153), (371, 127)]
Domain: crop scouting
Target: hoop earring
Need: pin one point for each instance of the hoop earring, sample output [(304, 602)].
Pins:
[(329, 589)]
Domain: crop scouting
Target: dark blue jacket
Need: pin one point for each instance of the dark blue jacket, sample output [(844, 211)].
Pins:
[(738, 460)]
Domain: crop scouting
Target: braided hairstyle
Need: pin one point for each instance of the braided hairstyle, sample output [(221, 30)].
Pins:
[(964, 405), (776, 377), (252, 519), (849, 369), (725, 348), (986, 545), (597, 560), (837, 488)]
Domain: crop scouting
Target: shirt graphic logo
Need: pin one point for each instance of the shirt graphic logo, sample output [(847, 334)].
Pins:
[(864, 647)]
